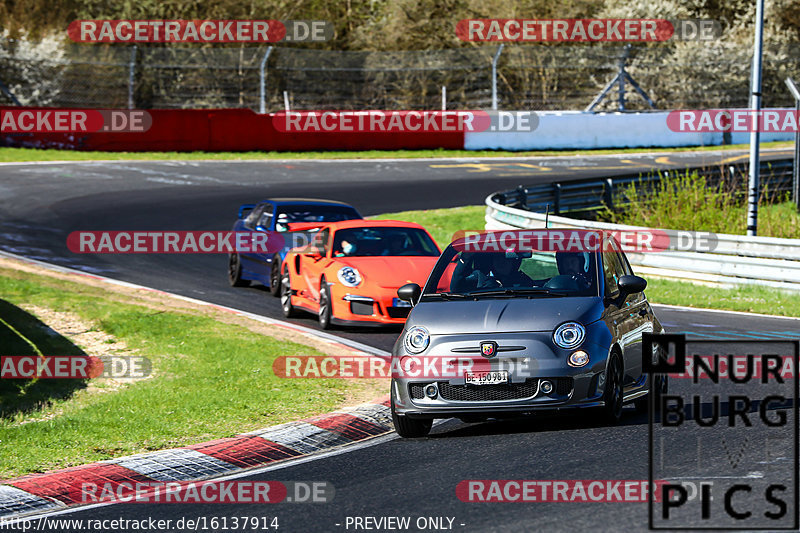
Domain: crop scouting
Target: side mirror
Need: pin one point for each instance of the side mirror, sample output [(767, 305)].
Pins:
[(410, 292), (245, 209), (631, 285)]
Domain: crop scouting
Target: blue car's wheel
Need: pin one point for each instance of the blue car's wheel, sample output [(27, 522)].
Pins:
[(275, 276), (235, 271)]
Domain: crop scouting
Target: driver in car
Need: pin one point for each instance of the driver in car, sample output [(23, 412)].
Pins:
[(506, 272), (499, 270), (572, 264)]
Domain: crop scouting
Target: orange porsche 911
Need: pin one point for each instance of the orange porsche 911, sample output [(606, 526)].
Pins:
[(350, 273)]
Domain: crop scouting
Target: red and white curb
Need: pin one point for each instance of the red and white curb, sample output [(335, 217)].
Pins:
[(51, 491), (56, 490)]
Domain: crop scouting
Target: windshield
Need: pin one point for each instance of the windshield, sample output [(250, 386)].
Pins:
[(323, 213), (388, 241), (534, 274)]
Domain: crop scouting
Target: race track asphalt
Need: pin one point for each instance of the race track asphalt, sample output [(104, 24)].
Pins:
[(40, 204)]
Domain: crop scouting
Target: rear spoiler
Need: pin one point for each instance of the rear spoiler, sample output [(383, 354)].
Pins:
[(305, 226)]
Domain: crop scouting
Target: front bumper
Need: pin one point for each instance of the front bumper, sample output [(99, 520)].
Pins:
[(360, 306), (532, 361)]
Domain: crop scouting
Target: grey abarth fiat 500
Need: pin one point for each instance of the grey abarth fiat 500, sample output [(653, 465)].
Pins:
[(522, 325)]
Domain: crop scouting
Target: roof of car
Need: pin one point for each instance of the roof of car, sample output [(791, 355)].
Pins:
[(361, 223), (306, 201), (554, 240)]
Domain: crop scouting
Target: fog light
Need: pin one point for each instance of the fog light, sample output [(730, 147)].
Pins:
[(579, 358), (432, 391), (546, 387)]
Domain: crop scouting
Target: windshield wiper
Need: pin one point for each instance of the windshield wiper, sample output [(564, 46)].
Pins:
[(446, 295), (516, 292)]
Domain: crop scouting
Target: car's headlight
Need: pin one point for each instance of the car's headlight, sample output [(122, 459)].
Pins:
[(349, 276), (569, 335), (416, 339)]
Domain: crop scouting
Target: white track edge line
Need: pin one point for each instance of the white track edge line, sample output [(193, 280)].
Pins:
[(396, 159), (265, 319), (723, 311)]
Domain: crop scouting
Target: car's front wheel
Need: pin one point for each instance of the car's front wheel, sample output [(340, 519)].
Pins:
[(286, 295), (325, 306), (410, 428), (613, 397), (235, 271)]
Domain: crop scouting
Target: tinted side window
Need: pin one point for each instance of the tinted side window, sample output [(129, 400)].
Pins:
[(265, 219), (612, 271), (626, 265), (253, 216)]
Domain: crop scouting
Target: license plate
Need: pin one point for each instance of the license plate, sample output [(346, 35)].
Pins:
[(486, 378), (397, 302)]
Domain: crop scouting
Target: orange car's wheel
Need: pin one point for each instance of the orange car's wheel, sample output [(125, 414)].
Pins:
[(325, 307), (286, 295)]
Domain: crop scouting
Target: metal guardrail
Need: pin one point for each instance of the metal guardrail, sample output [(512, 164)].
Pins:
[(595, 193), (737, 259)]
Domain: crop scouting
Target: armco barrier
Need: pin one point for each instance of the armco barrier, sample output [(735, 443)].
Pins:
[(565, 130), (736, 260), (186, 130)]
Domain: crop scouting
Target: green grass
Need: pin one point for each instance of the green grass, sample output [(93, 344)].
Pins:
[(35, 154), (210, 380), (687, 202), (443, 223), (750, 299)]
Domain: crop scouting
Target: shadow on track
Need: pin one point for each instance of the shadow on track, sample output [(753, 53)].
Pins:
[(540, 423)]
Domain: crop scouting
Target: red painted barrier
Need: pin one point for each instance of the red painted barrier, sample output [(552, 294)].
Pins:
[(236, 130)]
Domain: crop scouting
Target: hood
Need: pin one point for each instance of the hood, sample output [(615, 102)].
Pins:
[(391, 272), (503, 315)]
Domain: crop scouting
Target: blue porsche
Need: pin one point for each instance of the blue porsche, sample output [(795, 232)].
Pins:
[(276, 214)]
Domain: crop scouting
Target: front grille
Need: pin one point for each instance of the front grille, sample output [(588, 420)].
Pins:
[(563, 386), (361, 308), (482, 393), (398, 312), (488, 393)]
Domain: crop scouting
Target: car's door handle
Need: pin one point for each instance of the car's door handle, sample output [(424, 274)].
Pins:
[(642, 312)]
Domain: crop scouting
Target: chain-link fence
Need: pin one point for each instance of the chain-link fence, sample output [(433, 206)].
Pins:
[(686, 75)]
